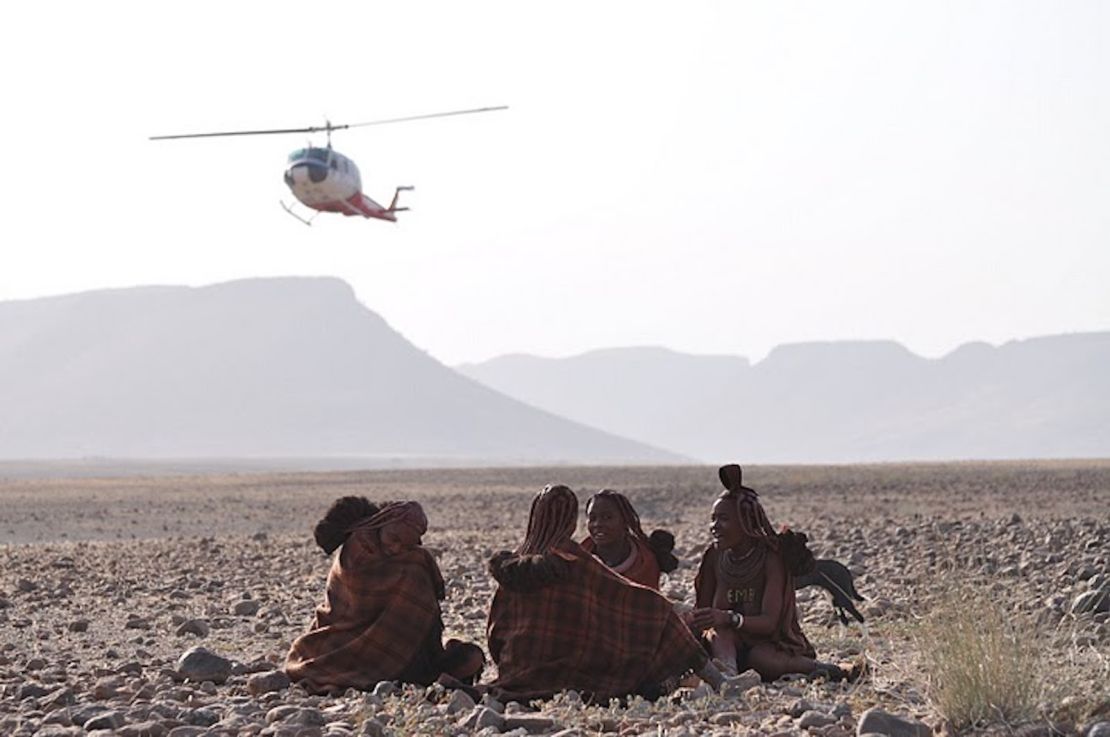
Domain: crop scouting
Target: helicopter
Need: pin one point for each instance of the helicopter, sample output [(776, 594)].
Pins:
[(325, 180)]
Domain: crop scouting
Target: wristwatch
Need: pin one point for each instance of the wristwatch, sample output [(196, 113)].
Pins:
[(736, 619)]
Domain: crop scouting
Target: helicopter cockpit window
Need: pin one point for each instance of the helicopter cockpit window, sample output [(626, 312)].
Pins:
[(312, 154)]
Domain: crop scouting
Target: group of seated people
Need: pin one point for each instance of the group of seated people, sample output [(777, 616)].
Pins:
[(584, 616)]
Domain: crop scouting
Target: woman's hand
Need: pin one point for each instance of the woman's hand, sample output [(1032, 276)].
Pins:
[(706, 617)]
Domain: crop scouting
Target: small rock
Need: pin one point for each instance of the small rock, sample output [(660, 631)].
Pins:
[(106, 688), (201, 664), (143, 729), (203, 717), (261, 683), (57, 730), (306, 717), (460, 701), (186, 730), (279, 713), (137, 623), (246, 608), (877, 721), (385, 689), (482, 717), (1089, 602), (32, 690), (1098, 729), (198, 627), (372, 728), (83, 713), (726, 718), (531, 723), (58, 699), (736, 685), (79, 625), (813, 719), (105, 720)]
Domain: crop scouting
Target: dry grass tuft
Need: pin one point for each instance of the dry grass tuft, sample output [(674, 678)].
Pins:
[(981, 662)]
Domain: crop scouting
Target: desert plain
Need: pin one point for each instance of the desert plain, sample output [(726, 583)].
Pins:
[(106, 582)]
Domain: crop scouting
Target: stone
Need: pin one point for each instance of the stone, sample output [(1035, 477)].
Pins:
[(32, 690), (198, 627), (79, 625), (813, 719), (200, 664), (57, 730), (372, 728), (482, 717), (143, 729), (385, 689), (279, 713), (306, 717), (201, 717), (83, 713), (186, 730), (106, 688), (734, 686), (1098, 729), (531, 723), (877, 721), (1092, 602), (726, 718), (56, 700), (106, 720), (274, 680), (459, 701), (246, 608)]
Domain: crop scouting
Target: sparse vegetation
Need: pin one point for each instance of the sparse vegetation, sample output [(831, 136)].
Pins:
[(982, 663)]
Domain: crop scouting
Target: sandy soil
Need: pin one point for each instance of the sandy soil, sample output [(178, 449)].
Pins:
[(99, 575)]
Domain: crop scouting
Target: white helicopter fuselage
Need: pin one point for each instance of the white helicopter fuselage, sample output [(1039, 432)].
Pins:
[(328, 181)]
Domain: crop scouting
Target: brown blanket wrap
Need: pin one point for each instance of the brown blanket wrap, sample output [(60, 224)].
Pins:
[(380, 620), (593, 630), (645, 571)]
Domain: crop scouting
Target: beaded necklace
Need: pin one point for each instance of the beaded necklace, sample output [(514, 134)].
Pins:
[(742, 567)]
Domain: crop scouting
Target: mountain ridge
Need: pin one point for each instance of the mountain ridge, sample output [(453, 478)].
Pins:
[(837, 401), (287, 367)]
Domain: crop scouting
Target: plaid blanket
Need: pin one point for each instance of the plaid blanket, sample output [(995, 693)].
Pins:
[(643, 569), (591, 630), (380, 621)]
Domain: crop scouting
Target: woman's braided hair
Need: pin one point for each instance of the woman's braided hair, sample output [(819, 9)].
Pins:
[(749, 511), (660, 542), (552, 519)]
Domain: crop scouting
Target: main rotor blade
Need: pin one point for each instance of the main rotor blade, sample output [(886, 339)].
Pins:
[(316, 128), (422, 117), (312, 129)]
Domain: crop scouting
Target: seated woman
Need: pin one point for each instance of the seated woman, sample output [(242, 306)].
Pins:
[(560, 619), (745, 591), (618, 541), (380, 619)]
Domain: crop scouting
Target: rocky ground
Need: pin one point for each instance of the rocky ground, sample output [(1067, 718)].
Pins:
[(106, 583)]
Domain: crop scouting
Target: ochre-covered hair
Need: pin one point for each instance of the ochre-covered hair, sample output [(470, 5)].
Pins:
[(660, 542), (553, 519), (753, 519), (624, 507)]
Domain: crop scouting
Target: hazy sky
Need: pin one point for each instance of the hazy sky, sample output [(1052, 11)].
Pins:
[(715, 177)]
